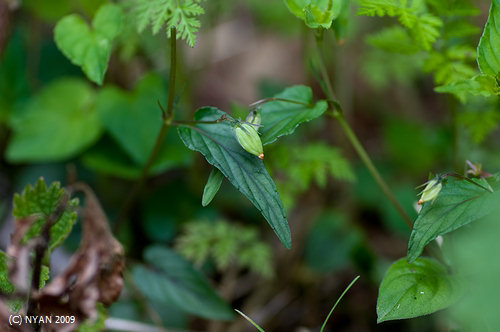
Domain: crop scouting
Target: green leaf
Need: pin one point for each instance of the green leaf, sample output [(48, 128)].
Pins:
[(459, 203), (5, 285), (58, 123), (245, 171), (182, 14), (315, 13), (212, 187), (173, 281), (480, 85), (415, 289), (89, 48), (488, 49), (134, 120), (41, 201), (280, 118)]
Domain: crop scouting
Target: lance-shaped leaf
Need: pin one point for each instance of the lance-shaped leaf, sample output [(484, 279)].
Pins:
[(488, 50), (415, 289), (459, 203), (212, 187), (280, 118), (245, 171), (173, 281)]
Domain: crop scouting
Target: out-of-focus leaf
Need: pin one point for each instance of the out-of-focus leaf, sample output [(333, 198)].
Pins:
[(212, 187), (415, 289), (330, 243), (13, 86), (134, 121), (280, 118), (474, 258), (489, 45), (245, 171), (57, 123), (40, 200), (173, 281), (89, 48), (480, 85), (315, 13), (459, 203)]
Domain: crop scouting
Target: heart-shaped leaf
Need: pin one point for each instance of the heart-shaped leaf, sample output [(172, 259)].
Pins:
[(245, 171), (280, 118), (415, 289), (459, 203), (56, 124), (87, 47), (134, 120), (173, 281), (488, 49)]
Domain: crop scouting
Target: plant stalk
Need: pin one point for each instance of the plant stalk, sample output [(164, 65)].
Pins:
[(167, 117), (363, 155)]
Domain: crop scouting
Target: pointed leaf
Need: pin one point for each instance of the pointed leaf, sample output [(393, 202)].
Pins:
[(245, 171), (212, 187), (173, 281), (459, 203), (488, 50), (415, 289), (280, 118)]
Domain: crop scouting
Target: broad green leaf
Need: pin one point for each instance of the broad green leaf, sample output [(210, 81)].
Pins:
[(245, 171), (58, 123), (173, 281), (280, 118), (89, 48), (134, 120), (41, 201), (212, 187), (5, 285), (480, 85), (416, 289), (488, 50), (315, 13), (459, 203)]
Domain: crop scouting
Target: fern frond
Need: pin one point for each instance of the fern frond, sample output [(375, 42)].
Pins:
[(425, 30), (411, 14), (158, 13), (379, 8)]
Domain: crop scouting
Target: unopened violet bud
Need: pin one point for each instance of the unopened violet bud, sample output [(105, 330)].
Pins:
[(249, 139), (431, 191)]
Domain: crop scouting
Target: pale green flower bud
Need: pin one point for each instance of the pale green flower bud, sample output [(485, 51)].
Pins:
[(249, 139), (254, 117), (431, 191)]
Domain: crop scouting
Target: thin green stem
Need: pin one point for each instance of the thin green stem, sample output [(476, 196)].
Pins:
[(267, 100), (167, 117), (365, 158)]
